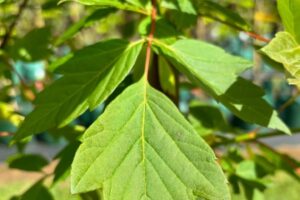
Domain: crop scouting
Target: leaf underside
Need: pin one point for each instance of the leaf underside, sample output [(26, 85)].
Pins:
[(143, 148)]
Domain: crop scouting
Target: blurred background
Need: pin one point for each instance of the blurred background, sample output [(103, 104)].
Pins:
[(41, 31)]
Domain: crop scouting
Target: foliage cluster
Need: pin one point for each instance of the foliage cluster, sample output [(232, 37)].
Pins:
[(142, 146)]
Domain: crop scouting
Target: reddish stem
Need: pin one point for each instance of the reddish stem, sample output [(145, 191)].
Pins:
[(150, 37), (258, 37)]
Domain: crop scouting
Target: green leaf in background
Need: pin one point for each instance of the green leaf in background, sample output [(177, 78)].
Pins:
[(285, 49), (207, 118), (167, 77), (217, 12), (94, 16), (281, 161), (93, 195), (290, 15), (90, 76), (182, 20), (210, 65), (217, 72), (140, 3), (247, 170), (132, 5), (156, 153), (246, 101), (206, 8), (65, 157), (37, 192), (27, 162), (181, 5), (33, 46), (164, 30), (114, 3)]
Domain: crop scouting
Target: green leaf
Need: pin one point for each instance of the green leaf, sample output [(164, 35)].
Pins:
[(143, 148), (285, 49), (164, 30), (217, 12), (94, 16), (281, 161), (290, 15), (140, 3), (180, 5), (217, 72), (90, 76), (65, 157), (206, 8), (37, 192), (114, 3), (167, 77), (131, 6), (208, 118), (29, 162), (93, 195), (247, 170), (215, 69), (182, 20), (246, 101), (33, 46)]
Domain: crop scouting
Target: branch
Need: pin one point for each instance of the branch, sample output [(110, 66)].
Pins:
[(289, 102), (253, 136), (13, 25), (150, 37), (258, 37)]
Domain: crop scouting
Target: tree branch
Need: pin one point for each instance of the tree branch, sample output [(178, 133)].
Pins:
[(252, 136), (13, 25)]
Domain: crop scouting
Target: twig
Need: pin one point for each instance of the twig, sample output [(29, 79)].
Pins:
[(289, 102), (258, 37), (288, 160), (253, 136), (150, 37), (13, 24), (11, 68), (30, 94)]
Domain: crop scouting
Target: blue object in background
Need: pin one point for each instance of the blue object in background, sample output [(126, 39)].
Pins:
[(29, 71)]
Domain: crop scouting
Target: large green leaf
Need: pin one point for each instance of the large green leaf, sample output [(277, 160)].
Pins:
[(143, 148), (285, 49), (217, 72), (90, 76), (290, 15)]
